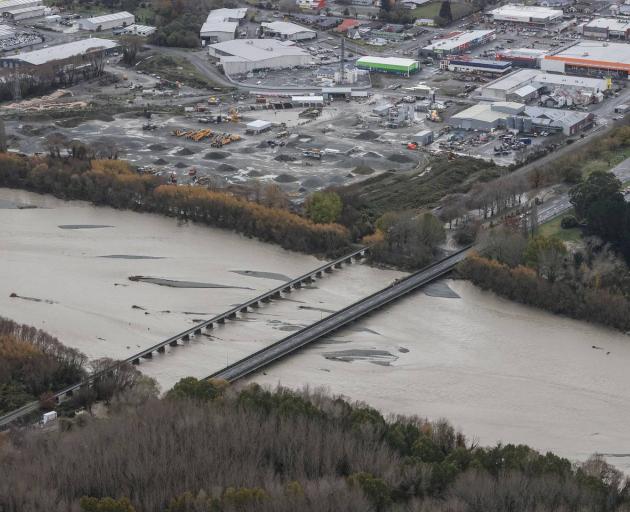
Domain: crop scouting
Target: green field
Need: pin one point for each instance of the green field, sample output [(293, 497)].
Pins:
[(553, 228)]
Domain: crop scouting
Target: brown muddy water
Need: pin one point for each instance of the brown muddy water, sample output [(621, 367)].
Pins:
[(497, 370)]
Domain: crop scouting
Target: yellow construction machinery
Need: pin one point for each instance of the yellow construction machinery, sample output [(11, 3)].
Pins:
[(233, 115)]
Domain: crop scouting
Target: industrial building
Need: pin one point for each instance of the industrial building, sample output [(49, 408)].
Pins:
[(591, 58), (394, 65), (531, 15), (527, 84), (311, 4), (458, 42), (605, 28), (522, 57), (423, 137), (84, 49), (241, 56), (6, 32), (490, 116), (25, 13), (107, 21), (286, 31), (8, 5), (464, 65), (257, 126), (558, 4), (221, 25), (139, 30)]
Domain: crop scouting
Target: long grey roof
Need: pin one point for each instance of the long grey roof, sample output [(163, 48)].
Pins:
[(63, 51)]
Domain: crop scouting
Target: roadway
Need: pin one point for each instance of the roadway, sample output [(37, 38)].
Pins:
[(337, 320)]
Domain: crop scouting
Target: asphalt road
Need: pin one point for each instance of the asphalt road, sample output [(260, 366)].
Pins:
[(339, 319)]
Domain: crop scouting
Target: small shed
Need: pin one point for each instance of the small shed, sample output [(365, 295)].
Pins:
[(257, 126), (382, 110), (423, 138)]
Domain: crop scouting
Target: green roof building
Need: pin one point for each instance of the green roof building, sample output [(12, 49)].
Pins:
[(388, 65)]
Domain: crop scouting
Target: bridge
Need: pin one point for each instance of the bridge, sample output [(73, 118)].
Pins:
[(285, 346), (339, 319), (184, 336)]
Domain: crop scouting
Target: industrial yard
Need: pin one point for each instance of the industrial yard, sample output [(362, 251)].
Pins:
[(309, 101)]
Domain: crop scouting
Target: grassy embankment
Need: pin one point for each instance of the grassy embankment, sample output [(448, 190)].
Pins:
[(395, 191), (176, 69)]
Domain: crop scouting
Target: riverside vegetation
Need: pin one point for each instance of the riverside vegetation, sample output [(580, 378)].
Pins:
[(591, 283), (328, 226), (211, 447)]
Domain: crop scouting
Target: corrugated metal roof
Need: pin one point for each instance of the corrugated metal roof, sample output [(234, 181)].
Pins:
[(63, 51), (97, 20), (284, 27)]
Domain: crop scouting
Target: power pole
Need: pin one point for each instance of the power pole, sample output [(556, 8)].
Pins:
[(342, 62), (3, 137)]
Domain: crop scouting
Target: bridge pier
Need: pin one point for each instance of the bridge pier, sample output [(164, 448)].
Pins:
[(297, 285), (328, 270), (318, 274), (287, 289), (136, 361), (338, 264), (232, 316), (209, 326), (148, 355), (221, 321), (276, 295), (173, 343), (197, 331), (161, 350), (244, 310), (186, 337)]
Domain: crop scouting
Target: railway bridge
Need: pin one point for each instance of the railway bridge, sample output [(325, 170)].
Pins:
[(284, 347)]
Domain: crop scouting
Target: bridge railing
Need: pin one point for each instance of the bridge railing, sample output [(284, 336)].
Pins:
[(399, 286), (196, 329)]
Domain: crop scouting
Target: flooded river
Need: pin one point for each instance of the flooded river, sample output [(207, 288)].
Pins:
[(497, 370)]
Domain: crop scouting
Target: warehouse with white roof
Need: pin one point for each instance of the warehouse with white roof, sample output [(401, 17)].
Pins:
[(221, 25), (591, 58), (8, 5), (25, 13), (605, 28), (241, 56), (286, 31), (458, 42), (529, 14), (107, 21), (526, 84), (6, 32), (75, 51)]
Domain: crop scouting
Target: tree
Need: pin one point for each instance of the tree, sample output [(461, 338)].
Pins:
[(375, 489), (324, 207), (546, 255), (408, 239), (599, 186), (131, 47), (89, 504), (195, 389), (445, 11)]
